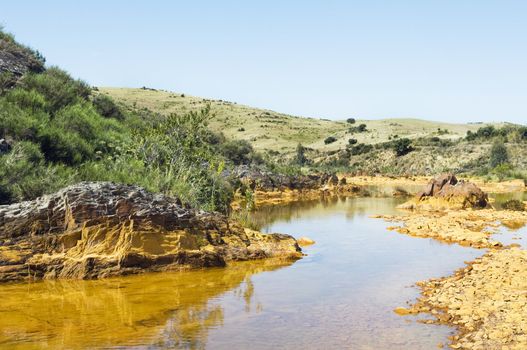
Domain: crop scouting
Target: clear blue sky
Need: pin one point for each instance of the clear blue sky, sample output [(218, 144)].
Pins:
[(451, 60)]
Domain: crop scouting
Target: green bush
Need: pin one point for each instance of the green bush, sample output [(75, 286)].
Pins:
[(27, 99), (514, 204), (58, 88), (240, 152), (350, 120), (330, 139), (358, 129), (24, 174), (106, 107), (361, 148), (352, 141), (498, 154), (62, 147), (402, 146), (300, 157), (17, 123)]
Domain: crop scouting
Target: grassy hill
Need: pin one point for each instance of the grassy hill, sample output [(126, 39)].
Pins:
[(269, 130)]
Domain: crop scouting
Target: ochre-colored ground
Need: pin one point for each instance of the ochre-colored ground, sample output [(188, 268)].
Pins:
[(487, 300)]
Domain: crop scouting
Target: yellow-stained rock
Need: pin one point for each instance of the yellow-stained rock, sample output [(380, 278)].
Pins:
[(100, 229)]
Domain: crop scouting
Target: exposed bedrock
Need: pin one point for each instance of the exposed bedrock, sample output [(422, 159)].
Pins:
[(447, 192), (99, 229)]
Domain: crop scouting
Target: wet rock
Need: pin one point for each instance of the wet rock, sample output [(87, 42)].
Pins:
[(486, 301), (305, 241), (100, 229), (467, 228), (446, 192)]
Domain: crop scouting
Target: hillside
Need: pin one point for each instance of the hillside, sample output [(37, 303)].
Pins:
[(269, 130)]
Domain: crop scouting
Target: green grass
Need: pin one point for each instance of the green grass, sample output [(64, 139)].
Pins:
[(269, 130)]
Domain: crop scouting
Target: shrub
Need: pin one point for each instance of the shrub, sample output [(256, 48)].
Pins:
[(106, 107), (352, 141), (330, 139), (240, 152), (18, 123), (7, 81), (68, 148), (361, 148), (24, 174), (360, 128), (514, 204), (350, 120), (300, 157), (498, 154), (57, 87), (27, 99), (402, 146)]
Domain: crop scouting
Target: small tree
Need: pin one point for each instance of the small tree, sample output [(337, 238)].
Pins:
[(301, 154), (402, 147), (350, 120), (498, 154), (329, 140)]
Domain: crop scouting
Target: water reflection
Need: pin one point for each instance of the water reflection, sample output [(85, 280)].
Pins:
[(324, 207), (162, 310), (341, 295), (500, 198)]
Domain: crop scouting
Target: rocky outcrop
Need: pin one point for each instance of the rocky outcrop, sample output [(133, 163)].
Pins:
[(17, 59), (261, 180), (446, 192), (100, 229), (268, 188)]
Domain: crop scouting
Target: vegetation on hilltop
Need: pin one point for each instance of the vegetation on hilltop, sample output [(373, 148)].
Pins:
[(56, 131), (276, 133)]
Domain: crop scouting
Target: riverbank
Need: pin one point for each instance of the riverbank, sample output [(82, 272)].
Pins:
[(101, 229), (486, 300), (347, 185)]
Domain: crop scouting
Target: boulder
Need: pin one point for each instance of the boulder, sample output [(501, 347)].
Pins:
[(99, 229), (447, 192), (5, 147)]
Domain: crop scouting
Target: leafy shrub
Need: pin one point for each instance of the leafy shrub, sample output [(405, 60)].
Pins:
[(240, 152), (24, 174), (514, 204), (27, 99), (402, 146), (107, 107), (300, 157), (66, 148), (58, 88), (357, 129), (361, 148), (350, 120), (352, 141), (330, 139), (498, 154)]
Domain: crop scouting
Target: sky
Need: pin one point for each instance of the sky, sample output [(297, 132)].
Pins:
[(445, 60)]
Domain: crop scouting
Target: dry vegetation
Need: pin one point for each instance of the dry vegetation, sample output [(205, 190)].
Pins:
[(269, 130)]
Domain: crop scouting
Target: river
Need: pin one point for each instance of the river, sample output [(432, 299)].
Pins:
[(340, 295)]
